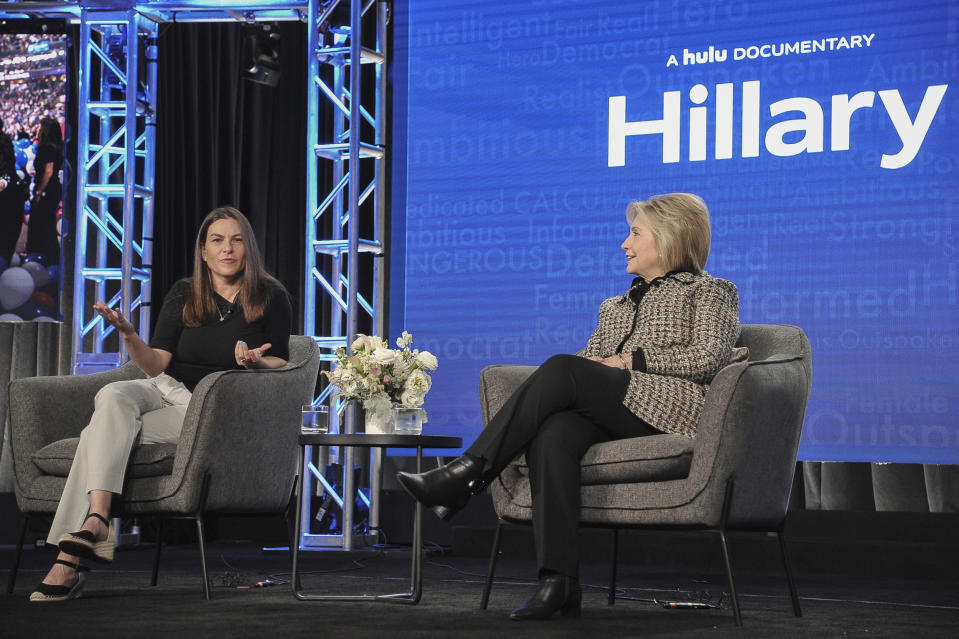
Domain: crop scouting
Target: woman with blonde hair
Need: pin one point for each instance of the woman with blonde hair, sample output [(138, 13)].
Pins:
[(230, 314), (644, 371)]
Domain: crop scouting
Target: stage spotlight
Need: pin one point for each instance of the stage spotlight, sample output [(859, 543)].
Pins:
[(335, 22), (262, 64)]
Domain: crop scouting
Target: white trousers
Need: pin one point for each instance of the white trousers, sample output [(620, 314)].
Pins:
[(146, 411)]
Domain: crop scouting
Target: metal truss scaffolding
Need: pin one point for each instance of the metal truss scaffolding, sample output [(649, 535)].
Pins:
[(340, 264), (114, 217)]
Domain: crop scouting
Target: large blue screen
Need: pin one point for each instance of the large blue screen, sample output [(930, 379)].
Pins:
[(822, 136)]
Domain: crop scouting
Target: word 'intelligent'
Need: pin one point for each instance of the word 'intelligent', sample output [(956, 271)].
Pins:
[(812, 125)]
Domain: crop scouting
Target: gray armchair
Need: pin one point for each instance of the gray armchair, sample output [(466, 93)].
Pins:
[(736, 474), (236, 454)]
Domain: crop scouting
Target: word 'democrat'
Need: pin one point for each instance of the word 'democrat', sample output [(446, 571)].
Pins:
[(806, 130)]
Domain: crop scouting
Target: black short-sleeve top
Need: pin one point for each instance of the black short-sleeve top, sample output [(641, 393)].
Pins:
[(46, 154), (199, 351)]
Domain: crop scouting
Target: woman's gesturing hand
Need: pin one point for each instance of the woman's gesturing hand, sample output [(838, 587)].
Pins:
[(114, 318), (250, 357)]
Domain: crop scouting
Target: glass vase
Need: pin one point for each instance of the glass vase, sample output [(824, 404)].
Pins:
[(408, 421), (376, 426)]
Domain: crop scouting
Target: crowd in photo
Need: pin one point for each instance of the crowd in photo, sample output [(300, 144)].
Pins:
[(32, 126), (24, 101), (24, 104), (22, 43)]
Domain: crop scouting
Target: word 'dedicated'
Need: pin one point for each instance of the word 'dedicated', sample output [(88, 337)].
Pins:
[(811, 124)]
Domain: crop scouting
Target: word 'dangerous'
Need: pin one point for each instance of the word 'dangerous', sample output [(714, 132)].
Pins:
[(811, 124)]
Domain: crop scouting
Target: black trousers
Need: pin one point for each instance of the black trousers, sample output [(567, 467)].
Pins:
[(11, 220), (566, 406), (42, 233)]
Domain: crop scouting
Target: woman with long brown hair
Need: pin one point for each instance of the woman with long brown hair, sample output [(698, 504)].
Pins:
[(229, 314)]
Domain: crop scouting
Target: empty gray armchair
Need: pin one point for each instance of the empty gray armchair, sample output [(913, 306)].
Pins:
[(736, 474), (236, 453)]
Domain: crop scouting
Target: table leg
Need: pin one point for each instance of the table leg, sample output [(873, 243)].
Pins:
[(416, 571), (295, 577), (416, 585), (416, 565)]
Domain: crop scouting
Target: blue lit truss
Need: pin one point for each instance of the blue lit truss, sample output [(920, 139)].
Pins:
[(333, 246), (116, 130)]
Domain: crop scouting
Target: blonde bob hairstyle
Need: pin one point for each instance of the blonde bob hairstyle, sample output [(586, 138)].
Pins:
[(680, 226)]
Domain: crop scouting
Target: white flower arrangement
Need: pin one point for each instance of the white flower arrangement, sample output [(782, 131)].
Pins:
[(382, 377)]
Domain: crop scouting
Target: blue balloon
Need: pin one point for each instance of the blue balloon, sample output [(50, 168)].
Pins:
[(3, 265), (31, 310), (35, 257), (54, 272)]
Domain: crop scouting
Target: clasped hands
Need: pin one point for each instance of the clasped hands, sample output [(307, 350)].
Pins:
[(621, 360)]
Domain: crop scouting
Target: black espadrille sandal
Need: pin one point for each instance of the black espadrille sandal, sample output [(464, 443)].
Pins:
[(83, 543), (48, 592)]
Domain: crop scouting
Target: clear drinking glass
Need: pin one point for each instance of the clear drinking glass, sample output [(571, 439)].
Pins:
[(407, 421), (315, 419)]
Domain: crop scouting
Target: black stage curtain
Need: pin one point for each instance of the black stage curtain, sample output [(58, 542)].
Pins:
[(223, 140)]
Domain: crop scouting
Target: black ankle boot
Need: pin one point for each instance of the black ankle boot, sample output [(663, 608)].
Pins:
[(446, 489), (556, 592)]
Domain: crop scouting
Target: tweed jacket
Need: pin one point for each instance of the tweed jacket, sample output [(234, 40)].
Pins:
[(685, 328)]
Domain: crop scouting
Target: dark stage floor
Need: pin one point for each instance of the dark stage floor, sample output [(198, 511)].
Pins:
[(118, 601)]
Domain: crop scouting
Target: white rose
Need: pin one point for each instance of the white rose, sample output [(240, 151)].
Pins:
[(385, 356), (412, 400), (427, 360), (419, 380)]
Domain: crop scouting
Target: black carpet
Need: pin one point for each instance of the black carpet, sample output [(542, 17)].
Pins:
[(118, 601)]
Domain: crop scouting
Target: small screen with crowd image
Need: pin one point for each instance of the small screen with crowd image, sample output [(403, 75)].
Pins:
[(33, 93)]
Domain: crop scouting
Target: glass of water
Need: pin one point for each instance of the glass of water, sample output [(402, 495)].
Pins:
[(314, 419), (408, 421)]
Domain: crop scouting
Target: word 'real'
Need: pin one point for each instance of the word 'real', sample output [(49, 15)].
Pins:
[(912, 132)]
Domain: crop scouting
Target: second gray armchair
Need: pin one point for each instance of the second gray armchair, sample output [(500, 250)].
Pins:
[(736, 474)]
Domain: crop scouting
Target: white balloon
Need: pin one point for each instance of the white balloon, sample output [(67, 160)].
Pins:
[(16, 287), (10, 317), (38, 272), (43, 318)]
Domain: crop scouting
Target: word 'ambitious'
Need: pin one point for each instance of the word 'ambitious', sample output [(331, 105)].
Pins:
[(811, 125)]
